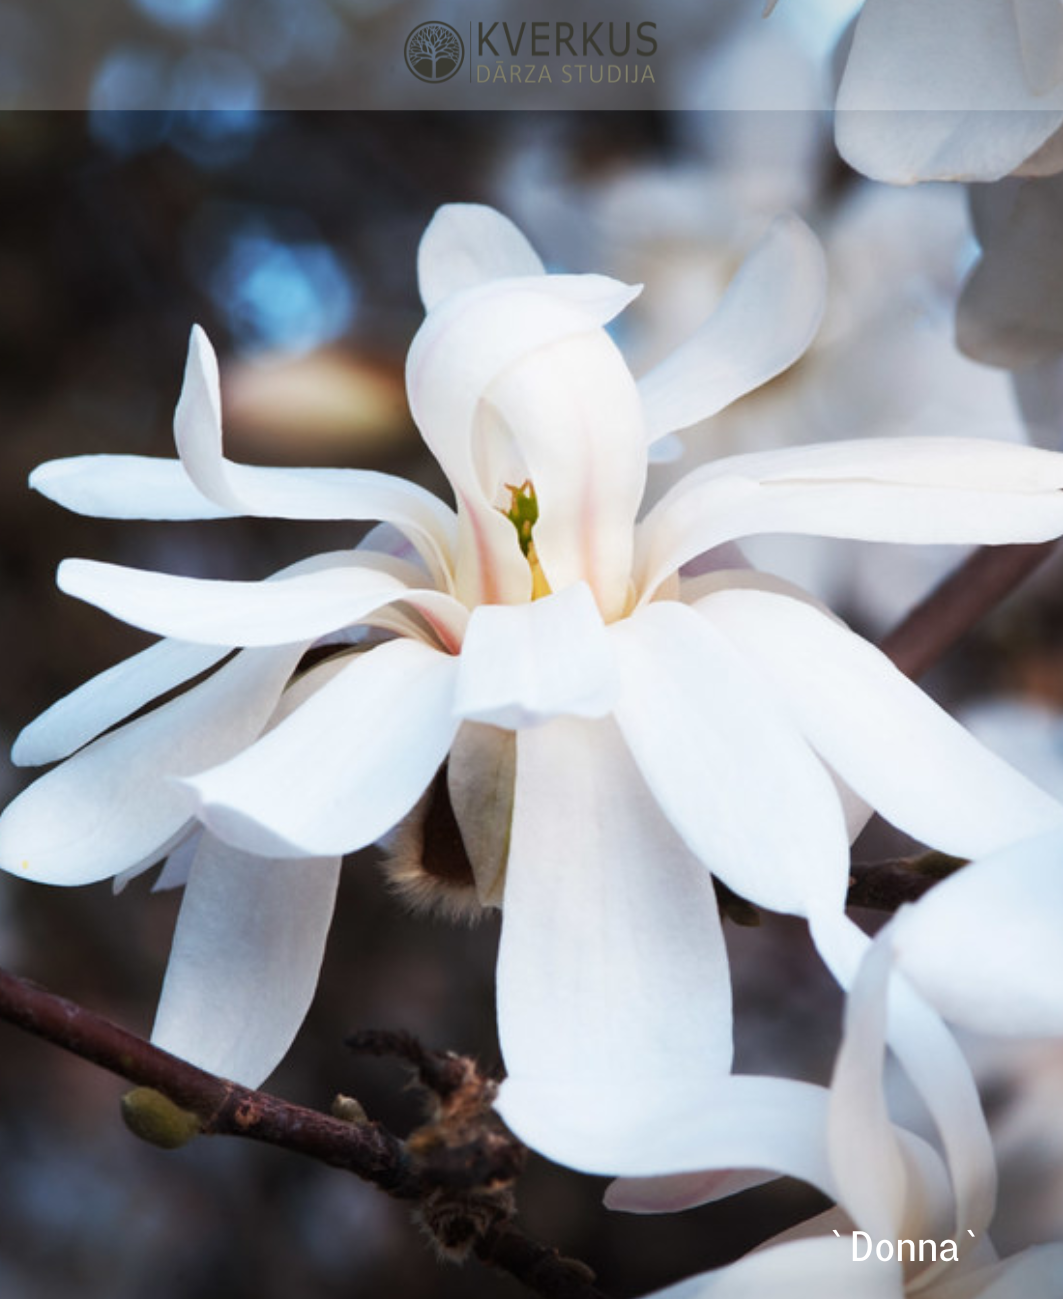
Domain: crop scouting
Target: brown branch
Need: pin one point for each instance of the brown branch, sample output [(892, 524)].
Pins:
[(887, 885), (443, 1194), (950, 611)]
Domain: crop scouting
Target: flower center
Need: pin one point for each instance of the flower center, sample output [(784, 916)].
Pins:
[(523, 513)]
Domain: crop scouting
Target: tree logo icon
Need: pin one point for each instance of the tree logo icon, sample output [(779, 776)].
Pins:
[(434, 52)]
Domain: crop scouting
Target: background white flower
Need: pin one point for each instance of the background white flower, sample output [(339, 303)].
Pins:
[(888, 1183), (953, 90)]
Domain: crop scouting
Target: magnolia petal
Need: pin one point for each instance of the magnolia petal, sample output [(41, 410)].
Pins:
[(822, 1266), (1009, 313), (281, 610), (139, 487), (481, 775), (699, 1124), (572, 412), (246, 953), (468, 244), (921, 770), (603, 907), (672, 1194), (523, 664), (197, 425), (763, 323), (177, 866), (728, 767), (123, 487), (346, 765), (941, 1076), (205, 485), (183, 835), (113, 805), (915, 490), (295, 493), (470, 340), (864, 1149), (940, 92), (108, 698), (983, 946)]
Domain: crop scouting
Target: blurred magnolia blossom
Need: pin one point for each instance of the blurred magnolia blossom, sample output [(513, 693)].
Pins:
[(982, 948), (610, 705), (972, 90), (1009, 313), (895, 262), (953, 90)]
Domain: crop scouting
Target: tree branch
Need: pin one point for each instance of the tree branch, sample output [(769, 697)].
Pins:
[(968, 593), (452, 1185), (887, 885)]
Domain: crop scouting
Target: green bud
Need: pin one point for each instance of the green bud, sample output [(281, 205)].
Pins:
[(155, 1118)]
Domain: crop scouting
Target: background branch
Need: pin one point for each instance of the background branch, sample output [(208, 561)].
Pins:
[(975, 587), (405, 1170)]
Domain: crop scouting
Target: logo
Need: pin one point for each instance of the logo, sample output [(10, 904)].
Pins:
[(434, 52)]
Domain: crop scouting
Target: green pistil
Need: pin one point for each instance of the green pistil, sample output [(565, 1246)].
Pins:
[(523, 513)]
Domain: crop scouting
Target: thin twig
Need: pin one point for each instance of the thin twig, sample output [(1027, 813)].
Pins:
[(220, 1107), (978, 585)]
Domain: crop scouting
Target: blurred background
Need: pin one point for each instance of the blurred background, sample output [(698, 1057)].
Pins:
[(291, 237)]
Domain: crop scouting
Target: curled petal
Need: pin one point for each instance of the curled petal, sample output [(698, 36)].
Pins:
[(864, 1148), (515, 380), (939, 1073), (765, 321), (205, 485), (467, 244), (245, 959)]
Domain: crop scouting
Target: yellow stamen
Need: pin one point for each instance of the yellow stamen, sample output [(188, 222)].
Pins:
[(540, 586)]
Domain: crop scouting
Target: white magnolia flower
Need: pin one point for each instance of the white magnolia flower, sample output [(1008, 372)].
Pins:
[(953, 90), (613, 727), (907, 1221)]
